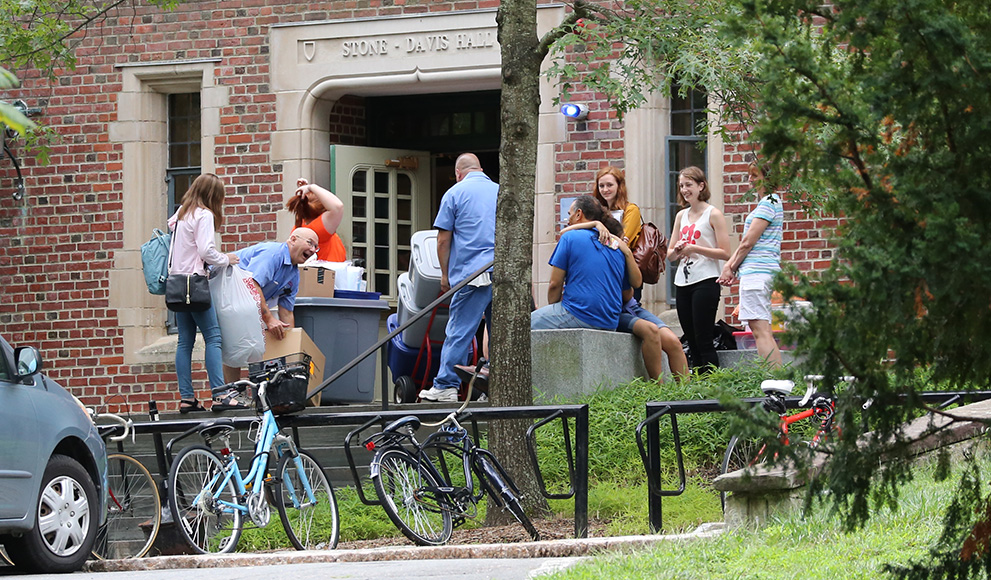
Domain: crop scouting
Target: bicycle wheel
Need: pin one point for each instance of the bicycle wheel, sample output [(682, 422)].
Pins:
[(740, 454), (196, 490), (497, 484), (310, 525), (409, 495), (134, 511)]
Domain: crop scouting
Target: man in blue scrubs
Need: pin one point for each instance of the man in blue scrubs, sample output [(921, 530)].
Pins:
[(274, 271), (465, 243)]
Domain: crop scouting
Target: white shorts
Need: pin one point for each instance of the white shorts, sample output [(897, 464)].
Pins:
[(755, 297)]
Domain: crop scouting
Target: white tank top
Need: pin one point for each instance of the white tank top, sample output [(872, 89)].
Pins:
[(696, 268)]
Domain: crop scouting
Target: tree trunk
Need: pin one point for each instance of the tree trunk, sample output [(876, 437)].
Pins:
[(511, 293)]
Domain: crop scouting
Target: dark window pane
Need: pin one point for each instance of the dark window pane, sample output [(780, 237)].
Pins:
[(357, 253), (462, 123), (381, 182), (440, 125), (194, 155), (480, 123), (381, 283), (681, 123), (403, 235), (358, 207), (382, 258), (382, 208), (678, 103), (178, 156), (404, 209), (178, 132), (381, 237), (404, 185), (699, 100), (403, 260), (358, 184), (358, 232)]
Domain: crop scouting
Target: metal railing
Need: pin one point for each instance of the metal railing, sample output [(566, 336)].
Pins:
[(577, 458), (650, 452)]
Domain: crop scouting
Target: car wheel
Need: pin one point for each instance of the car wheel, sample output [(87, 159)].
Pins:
[(65, 522)]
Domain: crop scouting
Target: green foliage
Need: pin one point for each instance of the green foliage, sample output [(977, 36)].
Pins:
[(631, 50), (614, 415)]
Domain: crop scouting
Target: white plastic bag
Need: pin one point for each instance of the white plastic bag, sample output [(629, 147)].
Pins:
[(236, 301)]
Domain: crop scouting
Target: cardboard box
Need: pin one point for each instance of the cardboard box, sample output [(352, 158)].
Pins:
[(316, 282), (297, 341)]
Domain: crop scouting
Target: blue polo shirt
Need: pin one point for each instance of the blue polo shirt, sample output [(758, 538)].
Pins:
[(271, 266), (594, 278), (469, 211)]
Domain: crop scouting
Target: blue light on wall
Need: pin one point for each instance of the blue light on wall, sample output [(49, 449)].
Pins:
[(574, 111)]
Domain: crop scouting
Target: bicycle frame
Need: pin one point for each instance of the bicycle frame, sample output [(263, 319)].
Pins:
[(824, 426), (268, 438)]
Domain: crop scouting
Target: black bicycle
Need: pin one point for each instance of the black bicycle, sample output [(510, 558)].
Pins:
[(416, 488)]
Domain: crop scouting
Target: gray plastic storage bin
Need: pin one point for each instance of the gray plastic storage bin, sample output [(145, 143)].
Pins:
[(342, 329), (413, 336), (424, 269)]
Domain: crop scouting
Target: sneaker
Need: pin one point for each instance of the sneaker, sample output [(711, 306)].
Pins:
[(439, 395)]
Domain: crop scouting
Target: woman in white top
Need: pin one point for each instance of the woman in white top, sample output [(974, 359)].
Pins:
[(193, 247), (701, 241)]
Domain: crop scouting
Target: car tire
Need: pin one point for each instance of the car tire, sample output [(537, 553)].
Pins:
[(65, 521)]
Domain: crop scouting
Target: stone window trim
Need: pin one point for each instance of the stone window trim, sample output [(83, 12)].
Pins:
[(141, 130)]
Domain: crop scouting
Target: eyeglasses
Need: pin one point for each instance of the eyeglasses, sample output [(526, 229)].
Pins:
[(313, 245)]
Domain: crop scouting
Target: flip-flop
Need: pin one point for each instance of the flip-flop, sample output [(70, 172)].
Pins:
[(186, 406)]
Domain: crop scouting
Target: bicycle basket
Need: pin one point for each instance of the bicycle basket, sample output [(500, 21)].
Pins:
[(287, 393)]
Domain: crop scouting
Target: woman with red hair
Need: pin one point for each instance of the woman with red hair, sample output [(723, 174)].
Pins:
[(610, 191), (321, 211)]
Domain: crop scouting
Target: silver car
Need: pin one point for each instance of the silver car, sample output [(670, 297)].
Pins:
[(53, 468)]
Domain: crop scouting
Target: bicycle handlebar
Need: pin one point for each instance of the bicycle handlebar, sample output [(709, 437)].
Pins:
[(810, 380), (127, 424)]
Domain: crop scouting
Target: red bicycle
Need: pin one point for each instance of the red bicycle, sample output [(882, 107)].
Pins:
[(742, 453)]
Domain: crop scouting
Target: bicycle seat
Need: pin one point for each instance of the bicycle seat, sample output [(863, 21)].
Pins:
[(777, 387), (410, 420), (215, 427)]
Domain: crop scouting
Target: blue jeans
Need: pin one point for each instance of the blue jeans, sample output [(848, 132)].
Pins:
[(188, 322), (467, 308), (554, 316)]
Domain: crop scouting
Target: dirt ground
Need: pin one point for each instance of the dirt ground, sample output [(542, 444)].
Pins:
[(550, 529)]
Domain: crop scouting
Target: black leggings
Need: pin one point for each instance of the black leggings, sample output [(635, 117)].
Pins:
[(697, 306)]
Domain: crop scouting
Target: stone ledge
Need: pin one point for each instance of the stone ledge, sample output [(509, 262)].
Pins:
[(542, 549)]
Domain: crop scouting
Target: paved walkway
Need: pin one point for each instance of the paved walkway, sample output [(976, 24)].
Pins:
[(543, 549)]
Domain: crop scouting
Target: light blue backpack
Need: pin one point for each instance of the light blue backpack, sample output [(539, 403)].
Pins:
[(155, 261)]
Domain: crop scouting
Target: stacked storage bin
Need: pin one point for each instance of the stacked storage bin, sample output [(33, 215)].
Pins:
[(417, 289)]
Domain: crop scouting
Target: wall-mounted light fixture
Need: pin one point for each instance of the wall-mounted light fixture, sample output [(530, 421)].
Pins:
[(574, 111)]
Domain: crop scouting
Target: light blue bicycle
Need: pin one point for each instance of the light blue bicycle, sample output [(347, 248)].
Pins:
[(211, 501)]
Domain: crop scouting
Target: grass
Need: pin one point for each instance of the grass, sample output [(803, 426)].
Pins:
[(813, 546)]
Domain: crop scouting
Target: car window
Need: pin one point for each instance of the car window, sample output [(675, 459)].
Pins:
[(5, 374)]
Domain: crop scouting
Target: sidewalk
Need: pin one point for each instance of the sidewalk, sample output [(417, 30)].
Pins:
[(543, 549)]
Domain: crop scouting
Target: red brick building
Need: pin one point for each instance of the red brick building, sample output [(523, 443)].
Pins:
[(372, 98)]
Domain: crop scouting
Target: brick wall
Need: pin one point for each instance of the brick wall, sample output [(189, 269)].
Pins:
[(58, 244)]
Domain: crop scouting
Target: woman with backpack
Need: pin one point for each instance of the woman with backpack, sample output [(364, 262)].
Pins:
[(700, 240), (194, 226)]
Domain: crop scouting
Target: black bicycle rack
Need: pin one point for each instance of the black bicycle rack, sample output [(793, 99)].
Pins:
[(364, 420), (578, 477), (650, 453)]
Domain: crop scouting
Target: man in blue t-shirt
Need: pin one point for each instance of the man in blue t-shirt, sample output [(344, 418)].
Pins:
[(587, 277), (275, 274), (465, 243)]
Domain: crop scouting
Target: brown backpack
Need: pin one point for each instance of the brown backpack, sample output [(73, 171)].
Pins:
[(650, 252)]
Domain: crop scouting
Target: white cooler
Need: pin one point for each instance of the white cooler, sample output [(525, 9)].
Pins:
[(413, 336), (424, 269)]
